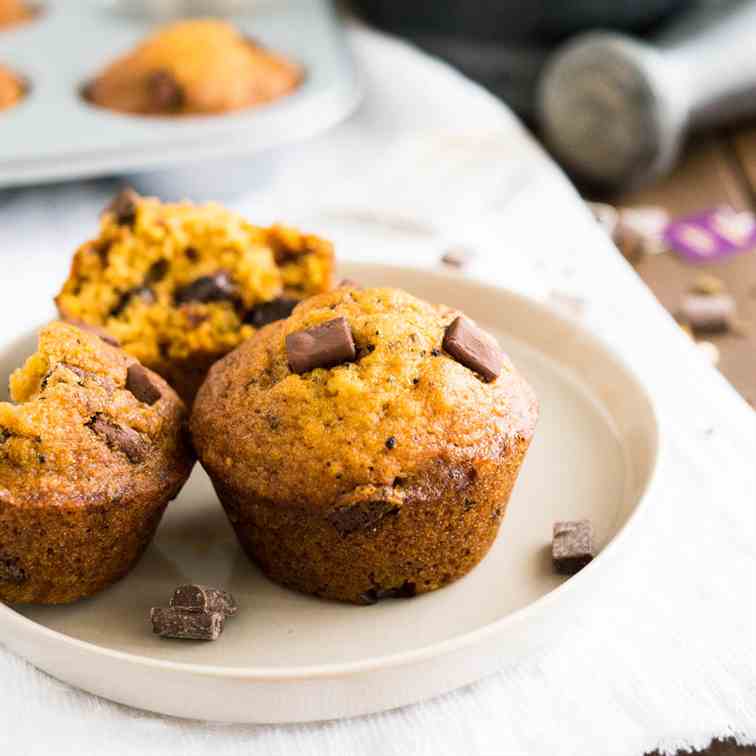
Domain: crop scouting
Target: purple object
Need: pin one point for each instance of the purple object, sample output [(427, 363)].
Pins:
[(712, 235)]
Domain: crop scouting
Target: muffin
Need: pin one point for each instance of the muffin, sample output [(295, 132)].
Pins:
[(180, 285), (366, 446), (11, 89), (14, 12), (194, 67), (90, 455)]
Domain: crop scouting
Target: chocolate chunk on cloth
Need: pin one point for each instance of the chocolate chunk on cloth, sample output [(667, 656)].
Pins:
[(124, 206), (168, 622), (139, 382), (324, 346), (268, 312), (572, 546), (164, 90), (708, 313), (473, 348), (120, 438), (201, 598), (215, 288)]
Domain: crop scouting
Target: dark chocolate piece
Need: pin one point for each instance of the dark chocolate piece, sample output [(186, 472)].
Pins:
[(473, 348), (201, 598), (268, 312), (145, 293), (215, 288), (157, 272), (360, 517), (168, 622), (120, 438), (348, 283), (140, 383), (406, 590), (708, 314), (391, 442), (572, 546), (10, 572), (165, 91), (457, 258), (124, 206), (324, 346)]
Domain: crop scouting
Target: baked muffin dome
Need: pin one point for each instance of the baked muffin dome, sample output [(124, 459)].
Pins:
[(180, 285), (194, 67), (14, 12), (11, 89), (384, 476), (90, 456)]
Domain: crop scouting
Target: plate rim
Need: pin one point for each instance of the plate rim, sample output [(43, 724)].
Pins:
[(334, 670)]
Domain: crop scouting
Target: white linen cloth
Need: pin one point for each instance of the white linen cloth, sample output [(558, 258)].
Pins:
[(432, 162)]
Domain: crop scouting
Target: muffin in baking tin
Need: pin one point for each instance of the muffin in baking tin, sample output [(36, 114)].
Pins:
[(194, 67), (366, 446), (91, 452), (180, 285)]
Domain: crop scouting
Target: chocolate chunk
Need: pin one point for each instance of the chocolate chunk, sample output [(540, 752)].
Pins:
[(201, 598), (96, 330), (145, 293), (572, 546), (406, 590), (215, 288), (120, 438), (324, 346), (168, 622), (348, 283), (268, 312), (10, 571), (124, 206), (391, 442), (361, 516), (164, 90), (473, 348), (140, 383), (457, 258), (708, 314), (157, 272)]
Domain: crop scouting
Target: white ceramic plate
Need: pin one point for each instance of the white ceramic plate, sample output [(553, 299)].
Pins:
[(288, 657)]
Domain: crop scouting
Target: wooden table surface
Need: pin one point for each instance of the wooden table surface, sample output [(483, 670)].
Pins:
[(716, 169)]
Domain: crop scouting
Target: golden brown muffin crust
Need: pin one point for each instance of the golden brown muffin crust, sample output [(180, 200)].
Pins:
[(194, 67)]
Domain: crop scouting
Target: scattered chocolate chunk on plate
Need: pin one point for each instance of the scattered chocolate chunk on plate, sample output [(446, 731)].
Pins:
[(572, 546), (168, 622), (202, 598), (473, 348), (323, 346)]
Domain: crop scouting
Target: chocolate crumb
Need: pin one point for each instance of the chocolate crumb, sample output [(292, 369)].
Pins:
[(168, 622), (457, 258), (348, 283), (140, 384), (202, 598), (572, 546)]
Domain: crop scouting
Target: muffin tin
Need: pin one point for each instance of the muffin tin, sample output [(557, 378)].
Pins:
[(54, 134)]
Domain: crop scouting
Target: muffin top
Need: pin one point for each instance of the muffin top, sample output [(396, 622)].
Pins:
[(14, 12), (194, 67), (88, 425), (172, 280), (11, 88), (401, 405)]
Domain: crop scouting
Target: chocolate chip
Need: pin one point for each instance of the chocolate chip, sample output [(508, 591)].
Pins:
[(268, 312), (10, 571), (406, 590), (168, 622), (324, 346), (164, 90), (215, 288), (124, 206), (145, 293), (140, 383), (391, 442), (120, 438), (474, 349), (708, 314), (360, 517), (96, 330), (572, 546), (157, 272), (201, 598)]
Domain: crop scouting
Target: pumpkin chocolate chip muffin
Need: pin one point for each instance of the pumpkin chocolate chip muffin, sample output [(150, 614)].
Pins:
[(366, 446), (11, 89), (14, 12), (180, 285), (90, 455), (194, 67)]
